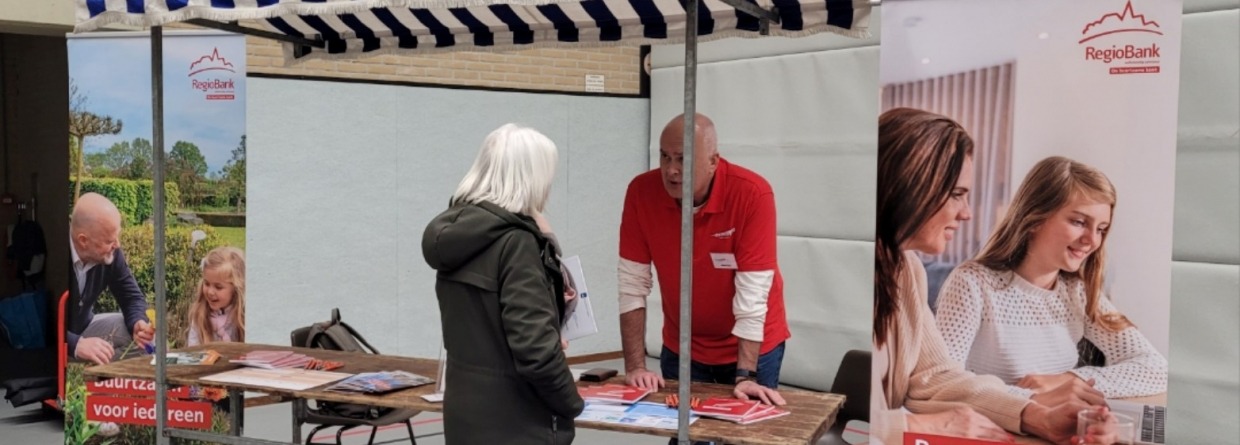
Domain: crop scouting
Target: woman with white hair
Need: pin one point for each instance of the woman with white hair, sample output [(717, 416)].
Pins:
[(500, 289)]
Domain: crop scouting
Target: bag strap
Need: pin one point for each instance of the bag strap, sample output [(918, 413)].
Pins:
[(359, 337), (325, 329), (316, 330)]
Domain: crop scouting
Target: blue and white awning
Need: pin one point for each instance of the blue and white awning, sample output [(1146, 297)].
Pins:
[(349, 28)]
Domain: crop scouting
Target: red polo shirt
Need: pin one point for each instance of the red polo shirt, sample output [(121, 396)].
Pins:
[(738, 218)]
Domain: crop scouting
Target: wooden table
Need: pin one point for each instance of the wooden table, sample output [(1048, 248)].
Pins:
[(811, 413)]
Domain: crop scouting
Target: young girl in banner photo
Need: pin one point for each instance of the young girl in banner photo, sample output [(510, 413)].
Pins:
[(1018, 310), (218, 312)]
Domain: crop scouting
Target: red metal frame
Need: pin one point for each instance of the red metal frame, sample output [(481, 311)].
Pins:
[(62, 355)]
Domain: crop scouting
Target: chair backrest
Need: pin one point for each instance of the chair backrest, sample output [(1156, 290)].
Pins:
[(853, 381)]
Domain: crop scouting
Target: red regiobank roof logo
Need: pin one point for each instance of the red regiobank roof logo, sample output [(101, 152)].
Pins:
[(1119, 22), (211, 62), (213, 88), (1137, 55)]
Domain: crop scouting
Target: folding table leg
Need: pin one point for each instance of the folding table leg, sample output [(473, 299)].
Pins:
[(297, 420), (237, 406)]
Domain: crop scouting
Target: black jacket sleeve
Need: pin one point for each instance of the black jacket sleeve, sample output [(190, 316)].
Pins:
[(530, 320), (129, 297)]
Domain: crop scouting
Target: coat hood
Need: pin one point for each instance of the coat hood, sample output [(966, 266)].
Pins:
[(464, 231)]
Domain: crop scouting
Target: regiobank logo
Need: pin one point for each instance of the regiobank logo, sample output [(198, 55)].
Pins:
[(212, 75), (1126, 41)]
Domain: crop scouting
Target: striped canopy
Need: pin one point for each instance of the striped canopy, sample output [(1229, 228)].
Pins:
[(351, 28)]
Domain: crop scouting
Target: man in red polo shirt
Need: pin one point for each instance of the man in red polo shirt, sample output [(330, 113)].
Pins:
[(739, 323)]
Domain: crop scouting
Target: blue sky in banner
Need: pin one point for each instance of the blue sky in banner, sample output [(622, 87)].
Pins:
[(114, 74)]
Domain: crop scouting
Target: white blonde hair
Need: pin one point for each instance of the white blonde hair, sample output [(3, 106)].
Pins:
[(513, 170)]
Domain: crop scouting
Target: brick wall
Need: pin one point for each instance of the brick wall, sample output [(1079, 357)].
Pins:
[(535, 69)]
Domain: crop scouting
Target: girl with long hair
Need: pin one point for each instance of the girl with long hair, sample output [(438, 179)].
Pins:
[(218, 312), (1019, 309)]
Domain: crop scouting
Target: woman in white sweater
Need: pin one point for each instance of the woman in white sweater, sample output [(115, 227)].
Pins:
[(925, 171), (1018, 310)]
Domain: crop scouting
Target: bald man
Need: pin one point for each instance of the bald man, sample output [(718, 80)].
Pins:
[(98, 264), (739, 324)]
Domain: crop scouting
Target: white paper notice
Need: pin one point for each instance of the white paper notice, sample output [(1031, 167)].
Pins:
[(581, 322)]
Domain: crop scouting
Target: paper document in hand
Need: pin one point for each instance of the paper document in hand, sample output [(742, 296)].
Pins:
[(611, 393), (579, 321)]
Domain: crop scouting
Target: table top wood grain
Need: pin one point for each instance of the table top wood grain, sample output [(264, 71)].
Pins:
[(811, 413)]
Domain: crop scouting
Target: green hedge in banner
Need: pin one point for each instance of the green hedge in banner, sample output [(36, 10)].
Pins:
[(134, 198)]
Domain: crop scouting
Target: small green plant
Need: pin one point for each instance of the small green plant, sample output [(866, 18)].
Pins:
[(77, 429)]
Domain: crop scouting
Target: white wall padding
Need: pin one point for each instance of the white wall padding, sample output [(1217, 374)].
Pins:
[(1207, 188), (825, 303), (1205, 364), (344, 177), (1204, 388)]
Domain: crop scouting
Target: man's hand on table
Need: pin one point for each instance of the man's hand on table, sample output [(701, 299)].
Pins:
[(749, 388), (644, 379)]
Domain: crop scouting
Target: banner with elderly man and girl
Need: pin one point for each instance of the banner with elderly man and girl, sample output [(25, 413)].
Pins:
[(110, 312), (1023, 247)]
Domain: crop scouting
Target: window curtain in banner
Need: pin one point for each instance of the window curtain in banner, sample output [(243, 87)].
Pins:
[(981, 101)]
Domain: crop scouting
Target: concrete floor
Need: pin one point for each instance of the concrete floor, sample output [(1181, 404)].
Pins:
[(30, 426)]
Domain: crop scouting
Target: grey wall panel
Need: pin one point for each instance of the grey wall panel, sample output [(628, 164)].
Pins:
[(1207, 188), (1204, 361), (344, 178), (321, 215)]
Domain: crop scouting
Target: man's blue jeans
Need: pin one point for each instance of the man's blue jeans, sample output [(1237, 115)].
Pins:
[(768, 371)]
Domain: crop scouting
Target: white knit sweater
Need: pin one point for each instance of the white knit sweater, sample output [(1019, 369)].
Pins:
[(996, 322)]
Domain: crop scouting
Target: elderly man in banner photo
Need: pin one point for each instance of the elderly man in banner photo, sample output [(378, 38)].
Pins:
[(739, 324), (98, 264)]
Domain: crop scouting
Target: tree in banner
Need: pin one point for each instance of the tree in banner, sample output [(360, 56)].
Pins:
[(84, 124), (232, 177), (188, 168), (128, 160)]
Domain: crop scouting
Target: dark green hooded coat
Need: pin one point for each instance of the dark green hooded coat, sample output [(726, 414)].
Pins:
[(501, 305)]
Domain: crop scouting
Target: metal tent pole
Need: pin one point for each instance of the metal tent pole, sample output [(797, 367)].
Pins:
[(157, 158), (686, 221)]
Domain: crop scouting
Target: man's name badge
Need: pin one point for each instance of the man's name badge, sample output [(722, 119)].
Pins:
[(723, 260)]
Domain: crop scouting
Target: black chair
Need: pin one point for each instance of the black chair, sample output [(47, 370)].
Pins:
[(303, 413), (853, 381)]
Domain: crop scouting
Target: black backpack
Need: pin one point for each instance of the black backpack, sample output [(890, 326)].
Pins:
[(336, 335), (27, 243)]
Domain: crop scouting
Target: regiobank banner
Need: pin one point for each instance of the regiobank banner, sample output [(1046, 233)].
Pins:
[(110, 312), (1025, 186)]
